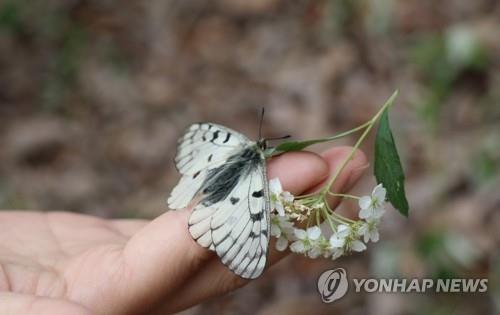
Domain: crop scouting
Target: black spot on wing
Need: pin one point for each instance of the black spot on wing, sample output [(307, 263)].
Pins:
[(210, 157), (258, 194), (215, 135), (228, 135), (234, 200), (196, 174), (256, 216)]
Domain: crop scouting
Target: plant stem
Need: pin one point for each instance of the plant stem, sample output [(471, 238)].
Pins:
[(314, 141), (340, 135), (330, 214), (342, 218), (327, 216), (368, 127), (348, 132), (343, 195)]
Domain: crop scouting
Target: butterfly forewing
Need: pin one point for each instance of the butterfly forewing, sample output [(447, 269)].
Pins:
[(202, 147), (224, 179)]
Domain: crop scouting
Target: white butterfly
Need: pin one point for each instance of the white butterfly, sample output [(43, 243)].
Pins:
[(224, 180)]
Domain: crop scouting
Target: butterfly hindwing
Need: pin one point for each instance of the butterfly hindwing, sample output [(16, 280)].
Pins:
[(236, 223), (245, 243)]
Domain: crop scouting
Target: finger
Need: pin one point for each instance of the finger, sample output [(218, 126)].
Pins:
[(298, 171), (128, 227), (158, 257), (24, 304), (162, 255), (351, 173), (215, 279)]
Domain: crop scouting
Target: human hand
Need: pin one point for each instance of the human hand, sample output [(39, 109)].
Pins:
[(66, 263)]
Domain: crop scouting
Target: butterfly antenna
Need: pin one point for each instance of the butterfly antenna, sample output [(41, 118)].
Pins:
[(261, 121)]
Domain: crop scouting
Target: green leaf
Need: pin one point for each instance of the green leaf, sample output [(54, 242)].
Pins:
[(387, 168)]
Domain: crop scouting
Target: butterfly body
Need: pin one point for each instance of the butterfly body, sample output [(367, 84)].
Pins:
[(224, 180)]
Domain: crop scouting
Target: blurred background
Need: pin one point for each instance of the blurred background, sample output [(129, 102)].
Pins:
[(93, 95)]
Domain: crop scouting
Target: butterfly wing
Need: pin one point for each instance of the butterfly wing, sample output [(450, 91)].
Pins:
[(232, 217), (203, 146), (224, 178)]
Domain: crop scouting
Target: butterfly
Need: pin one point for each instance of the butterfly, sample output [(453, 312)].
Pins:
[(224, 180)]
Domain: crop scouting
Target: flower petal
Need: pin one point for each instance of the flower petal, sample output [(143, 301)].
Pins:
[(374, 236), (337, 242), (366, 237), (365, 213), (297, 247), (358, 246), (365, 202), (275, 230), (343, 230), (287, 196), (279, 208), (314, 252), (275, 186), (363, 229), (313, 233), (337, 253), (378, 212), (300, 234), (379, 193), (281, 244)]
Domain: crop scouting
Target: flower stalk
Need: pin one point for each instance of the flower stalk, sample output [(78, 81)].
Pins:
[(327, 233)]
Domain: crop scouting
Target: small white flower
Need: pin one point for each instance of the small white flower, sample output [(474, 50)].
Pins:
[(282, 229), (305, 239), (373, 206), (280, 225), (344, 240), (369, 230), (320, 247), (278, 196), (338, 239)]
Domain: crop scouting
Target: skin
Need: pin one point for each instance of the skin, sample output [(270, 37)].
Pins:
[(66, 263)]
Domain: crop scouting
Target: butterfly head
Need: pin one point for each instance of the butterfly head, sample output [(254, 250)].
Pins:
[(262, 144)]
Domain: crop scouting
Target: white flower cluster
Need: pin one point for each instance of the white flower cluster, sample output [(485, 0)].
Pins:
[(345, 235)]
